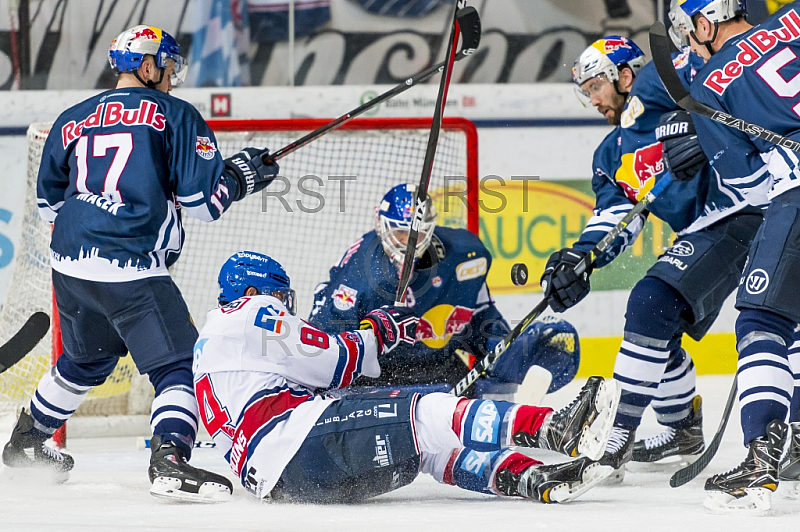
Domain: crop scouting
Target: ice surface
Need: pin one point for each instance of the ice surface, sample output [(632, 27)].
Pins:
[(108, 490)]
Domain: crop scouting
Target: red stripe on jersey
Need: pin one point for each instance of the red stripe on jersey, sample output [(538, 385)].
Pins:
[(353, 349), (458, 416), (448, 477), (256, 416), (528, 419)]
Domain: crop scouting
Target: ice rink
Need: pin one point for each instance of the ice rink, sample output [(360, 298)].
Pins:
[(108, 490)]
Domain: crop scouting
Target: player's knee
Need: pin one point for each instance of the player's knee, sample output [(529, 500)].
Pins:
[(86, 373), (756, 324), (655, 309), (174, 373)]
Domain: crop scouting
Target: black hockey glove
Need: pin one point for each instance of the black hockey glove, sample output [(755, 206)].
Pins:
[(683, 154), (392, 326), (562, 287), (250, 172)]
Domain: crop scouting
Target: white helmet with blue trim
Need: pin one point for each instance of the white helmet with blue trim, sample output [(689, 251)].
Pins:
[(130, 47)]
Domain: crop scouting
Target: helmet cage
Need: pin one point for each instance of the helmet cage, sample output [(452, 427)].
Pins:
[(393, 219)]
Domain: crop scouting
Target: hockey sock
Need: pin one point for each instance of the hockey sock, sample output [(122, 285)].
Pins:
[(489, 425), (473, 470), (174, 413), (653, 322), (764, 377), (673, 400), (62, 390)]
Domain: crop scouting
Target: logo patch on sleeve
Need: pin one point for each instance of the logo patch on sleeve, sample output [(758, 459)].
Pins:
[(205, 148), (471, 269), (344, 297)]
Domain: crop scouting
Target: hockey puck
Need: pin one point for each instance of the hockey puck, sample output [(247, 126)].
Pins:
[(519, 274)]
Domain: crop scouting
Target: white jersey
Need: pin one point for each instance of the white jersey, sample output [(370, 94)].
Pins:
[(256, 368)]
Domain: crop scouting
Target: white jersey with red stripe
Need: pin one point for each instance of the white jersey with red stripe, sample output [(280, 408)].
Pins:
[(256, 368)]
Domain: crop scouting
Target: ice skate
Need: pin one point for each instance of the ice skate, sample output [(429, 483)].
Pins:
[(28, 449), (789, 468), (581, 428), (747, 489), (674, 442), (618, 452), (556, 483), (173, 478)]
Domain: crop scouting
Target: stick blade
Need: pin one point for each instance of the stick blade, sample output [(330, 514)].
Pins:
[(24, 341), (662, 58), (469, 24)]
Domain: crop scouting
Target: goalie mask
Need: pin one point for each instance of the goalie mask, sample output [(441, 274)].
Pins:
[(247, 269), (605, 57), (393, 222), (129, 49)]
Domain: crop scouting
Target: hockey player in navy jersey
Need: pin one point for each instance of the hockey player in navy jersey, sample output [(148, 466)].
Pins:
[(257, 369), (459, 321), (751, 74), (684, 290), (117, 171)]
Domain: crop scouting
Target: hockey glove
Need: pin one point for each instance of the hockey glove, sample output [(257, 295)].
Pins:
[(392, 326), (250, 172), (682, 152), (562, 287)]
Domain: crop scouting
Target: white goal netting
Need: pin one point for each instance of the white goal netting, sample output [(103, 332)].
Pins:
[(323, 202)]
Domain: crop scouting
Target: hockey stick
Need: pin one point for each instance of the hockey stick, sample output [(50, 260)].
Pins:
[(486, 363), (682, 476), (469, 23), (660, 48), (144, 443), (26, 339), (430, 153)]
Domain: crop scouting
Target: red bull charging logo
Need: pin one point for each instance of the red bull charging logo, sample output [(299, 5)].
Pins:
[(648, 162), (611, 45), (440, 323), (146, 33)]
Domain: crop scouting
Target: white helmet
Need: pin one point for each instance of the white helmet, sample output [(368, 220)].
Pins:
[(393, 218), (680, 25), (606, 56), (714, 10), (130, 47)]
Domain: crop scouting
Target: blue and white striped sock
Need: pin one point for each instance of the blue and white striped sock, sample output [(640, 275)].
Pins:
[(54, 401), (673, 401), (174, 416)]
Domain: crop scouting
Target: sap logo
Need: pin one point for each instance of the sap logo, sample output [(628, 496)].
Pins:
[(674, 261), (382, 458), (484, 426), (476, 462), (682, 249), (669, 130), (757, 282)]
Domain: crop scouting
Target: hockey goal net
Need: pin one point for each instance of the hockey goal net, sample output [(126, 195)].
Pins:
[(324, 201)]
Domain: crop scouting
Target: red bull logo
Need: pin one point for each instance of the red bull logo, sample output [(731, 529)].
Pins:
[(439, 324), (648, 162), (205, 148), (611, 45), (146, 33)]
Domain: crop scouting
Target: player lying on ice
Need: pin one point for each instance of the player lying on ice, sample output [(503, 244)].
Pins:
[(459, 322), (258, 370)]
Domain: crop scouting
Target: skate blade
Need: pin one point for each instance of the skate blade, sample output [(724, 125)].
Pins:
[(592, 476), (789, 489), (757, 501), (616, 477), (169, 488), (594, 437)]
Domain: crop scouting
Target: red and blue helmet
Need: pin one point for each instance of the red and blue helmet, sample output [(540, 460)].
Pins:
[(393, 218), (606, 56), (247, 268), (715, 11), (129, 48)]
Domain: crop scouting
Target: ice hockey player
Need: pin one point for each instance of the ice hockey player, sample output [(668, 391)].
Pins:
[(115, 169), (685, 289), (257, 367), (751, 75), (459, 321)]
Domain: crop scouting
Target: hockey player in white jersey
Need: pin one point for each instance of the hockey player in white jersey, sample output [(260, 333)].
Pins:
[(259, 371)]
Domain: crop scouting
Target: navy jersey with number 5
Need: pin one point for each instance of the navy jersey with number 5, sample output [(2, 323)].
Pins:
[(116, 171), (755, 76)]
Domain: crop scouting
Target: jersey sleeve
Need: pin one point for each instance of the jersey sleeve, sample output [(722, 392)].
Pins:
[(53, 178), (339, 301), (202, 189), (612, 203)]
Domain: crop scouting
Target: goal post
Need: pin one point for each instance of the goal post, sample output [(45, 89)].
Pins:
[(323, 200)]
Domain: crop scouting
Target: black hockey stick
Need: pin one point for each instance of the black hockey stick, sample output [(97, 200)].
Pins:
[(660, 48), (469, 23), (682, 476), (430, 153), (484, 364), (26, 339)]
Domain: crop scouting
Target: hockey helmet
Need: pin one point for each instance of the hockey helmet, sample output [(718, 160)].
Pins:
[(129, 48), (247, 268), (606, 56), (393, 218), (680, 25), (715, 11)]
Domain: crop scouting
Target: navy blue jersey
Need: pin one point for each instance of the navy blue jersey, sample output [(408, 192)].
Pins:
[(755, 76), (116, 168), (628, 163), (448, 294)]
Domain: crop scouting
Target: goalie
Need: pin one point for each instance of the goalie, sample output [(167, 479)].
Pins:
[(459, 321), (257, 367)]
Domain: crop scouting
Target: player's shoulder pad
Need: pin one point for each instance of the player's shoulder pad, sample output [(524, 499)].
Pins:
[(460, 243), (356, 250)]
